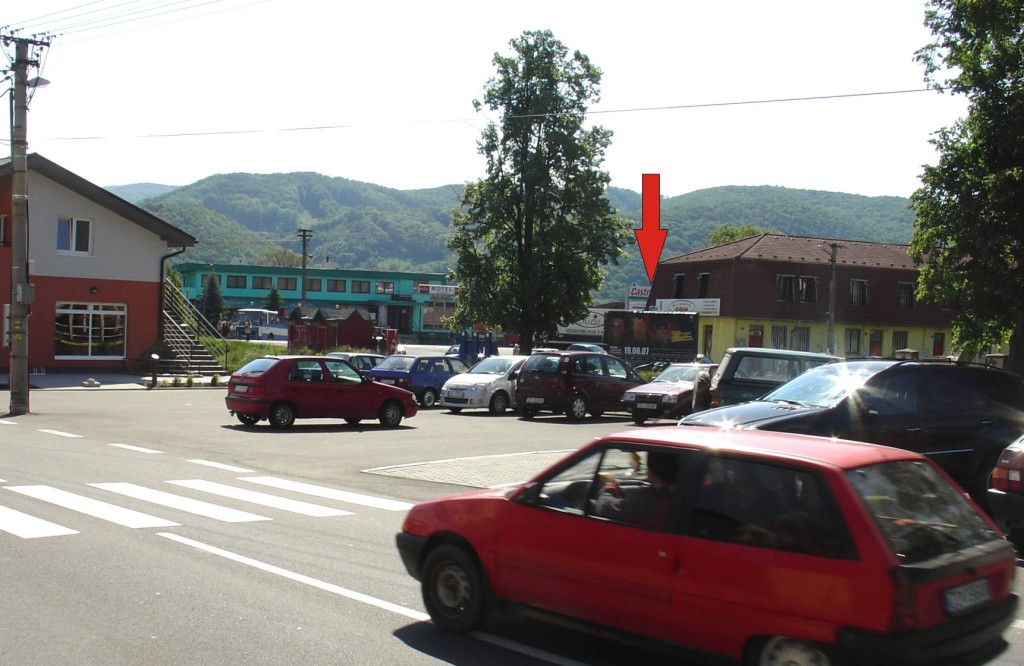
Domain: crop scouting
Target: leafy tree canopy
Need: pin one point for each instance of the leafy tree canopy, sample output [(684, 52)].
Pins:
[(279, 256), (727, 234), (533, 235), (212, 303), (969, 224)]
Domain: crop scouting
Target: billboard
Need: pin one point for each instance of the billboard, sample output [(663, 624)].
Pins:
[(588, 329), (654, 336)]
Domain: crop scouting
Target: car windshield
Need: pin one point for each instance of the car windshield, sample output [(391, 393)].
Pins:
[(826, 385), (495, 365), (256, 366), (920, 514), (678, 373), (396, 363)]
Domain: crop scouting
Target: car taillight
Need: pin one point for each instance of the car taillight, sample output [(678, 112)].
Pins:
[(1007, 480), (904, 602), (404, 381), (258, 388)]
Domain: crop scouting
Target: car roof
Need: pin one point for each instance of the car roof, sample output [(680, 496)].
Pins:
[(765, 351), (820, 451)]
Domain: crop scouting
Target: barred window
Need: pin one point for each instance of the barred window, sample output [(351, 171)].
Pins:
[(852, 342), (801, 338), (899, 340), (906, 290), (779, 337), (858, 292)]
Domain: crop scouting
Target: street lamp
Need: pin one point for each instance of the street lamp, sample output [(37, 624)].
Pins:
[(830, 325)]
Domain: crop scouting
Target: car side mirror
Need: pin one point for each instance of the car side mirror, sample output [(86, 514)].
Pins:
[(529, 494), (514, 374)]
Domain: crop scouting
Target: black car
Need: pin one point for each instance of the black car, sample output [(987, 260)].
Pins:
[(962, 416)]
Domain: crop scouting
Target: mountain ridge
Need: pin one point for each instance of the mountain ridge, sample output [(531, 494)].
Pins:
[(363, 225)]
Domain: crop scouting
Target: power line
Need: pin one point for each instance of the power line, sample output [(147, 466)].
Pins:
[(672, 107)]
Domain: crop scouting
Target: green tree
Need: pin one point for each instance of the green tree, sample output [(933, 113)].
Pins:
[(279, 256), (273, 300), (727, 233), (212, 300), (534, 233), (969, 212)]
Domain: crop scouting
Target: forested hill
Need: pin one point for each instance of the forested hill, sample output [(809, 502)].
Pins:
[(360, 225)]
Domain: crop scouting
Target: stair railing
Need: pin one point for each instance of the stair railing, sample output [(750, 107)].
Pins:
[(184, 324)]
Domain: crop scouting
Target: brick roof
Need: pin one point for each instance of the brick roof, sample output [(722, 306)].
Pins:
[(804, 249)]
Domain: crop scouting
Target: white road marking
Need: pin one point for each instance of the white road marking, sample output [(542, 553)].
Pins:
[(230, 468), (329, 493), (299, 578), (188, 504), (29, 527), (60, 434), (6, 422), (1018, 624), (263, 499), (138, 449), (90, 507), (365, 599)]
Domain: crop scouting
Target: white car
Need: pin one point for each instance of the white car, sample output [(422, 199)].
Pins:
[(490, 384)]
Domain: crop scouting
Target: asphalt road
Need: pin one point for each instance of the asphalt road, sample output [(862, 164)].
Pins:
[(236, 575)]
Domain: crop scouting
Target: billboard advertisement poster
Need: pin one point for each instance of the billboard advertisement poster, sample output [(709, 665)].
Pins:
[(654, 336)]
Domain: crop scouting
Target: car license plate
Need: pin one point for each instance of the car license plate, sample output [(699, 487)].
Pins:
[(387, 381), (646, 405), (967, 596), (241, 388), (534, 401), (454, 394)]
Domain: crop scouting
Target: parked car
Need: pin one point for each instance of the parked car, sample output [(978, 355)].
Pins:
[(284, 388), (752, 547), (586, 346), (490, 384), (359, 360), (962, 416), (746, 373), (1006, 493), (670, 395), (423, 375), (574, 382)]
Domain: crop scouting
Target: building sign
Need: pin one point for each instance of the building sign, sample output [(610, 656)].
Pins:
[(439, 289), (589, 328), (708, 307), (636, 299)]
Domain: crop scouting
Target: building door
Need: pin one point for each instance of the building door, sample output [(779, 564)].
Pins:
[(875, 343), (756, 336), (938, 343), (708, 329)]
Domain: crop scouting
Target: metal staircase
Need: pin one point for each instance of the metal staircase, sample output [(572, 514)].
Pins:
[(191, 344)]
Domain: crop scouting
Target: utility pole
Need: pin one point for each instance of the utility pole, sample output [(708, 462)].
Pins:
[(830, 332), (21, 289), (305, 235)]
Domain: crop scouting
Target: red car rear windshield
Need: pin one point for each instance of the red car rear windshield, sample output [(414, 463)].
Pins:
[(921, 515)]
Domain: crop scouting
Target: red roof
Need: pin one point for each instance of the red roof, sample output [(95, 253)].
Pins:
[(805, 249)]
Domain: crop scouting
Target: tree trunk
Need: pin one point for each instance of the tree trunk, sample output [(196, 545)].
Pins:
[(1015, 358)]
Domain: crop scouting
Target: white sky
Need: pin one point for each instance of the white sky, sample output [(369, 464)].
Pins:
[(400, 78)]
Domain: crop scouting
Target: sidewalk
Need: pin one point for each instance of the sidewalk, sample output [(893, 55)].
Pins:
[(61, 381)]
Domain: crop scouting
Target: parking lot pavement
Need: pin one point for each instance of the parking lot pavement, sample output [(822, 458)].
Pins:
[(102, 380), (477, 471)]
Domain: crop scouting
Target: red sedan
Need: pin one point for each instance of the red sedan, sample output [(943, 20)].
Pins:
[(284, 388), (759, 548)]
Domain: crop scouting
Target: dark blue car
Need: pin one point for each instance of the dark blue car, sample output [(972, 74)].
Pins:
[(423, 375)]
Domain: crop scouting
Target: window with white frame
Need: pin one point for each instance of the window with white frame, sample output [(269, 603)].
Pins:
[(778, 337), (74, 236), (90, 330), (852, 345), (801, 338), (808, 289), (906, 290), (784, 288), (858, 292)]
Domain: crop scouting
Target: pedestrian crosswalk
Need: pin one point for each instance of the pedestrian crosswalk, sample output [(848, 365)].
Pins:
[(82, 501)]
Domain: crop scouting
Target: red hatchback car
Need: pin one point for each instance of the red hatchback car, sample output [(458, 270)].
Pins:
[(284, 388), (760, 548)]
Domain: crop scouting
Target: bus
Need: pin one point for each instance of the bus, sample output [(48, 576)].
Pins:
[(258, 324)]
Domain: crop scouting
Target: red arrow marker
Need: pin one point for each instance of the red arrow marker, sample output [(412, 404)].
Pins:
[(650, 236)]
